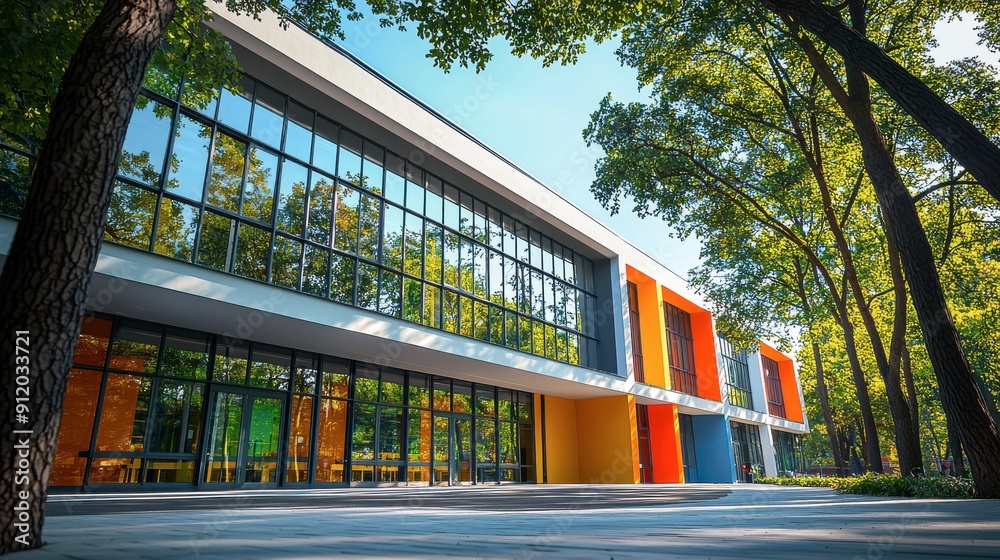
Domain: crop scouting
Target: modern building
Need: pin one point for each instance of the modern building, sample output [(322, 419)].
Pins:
[(323, 281)]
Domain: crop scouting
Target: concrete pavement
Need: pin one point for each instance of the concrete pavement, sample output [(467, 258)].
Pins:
[(565, 522)]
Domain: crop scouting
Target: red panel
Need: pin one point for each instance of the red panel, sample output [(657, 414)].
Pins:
[(665, 437)]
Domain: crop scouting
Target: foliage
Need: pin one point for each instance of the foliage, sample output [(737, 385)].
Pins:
[(809, 481), (930, 486), (39, 39)]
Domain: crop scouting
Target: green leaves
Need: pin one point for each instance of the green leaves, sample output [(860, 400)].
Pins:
[(37, 40)]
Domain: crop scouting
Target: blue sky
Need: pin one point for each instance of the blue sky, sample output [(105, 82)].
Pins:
[(535, 116)]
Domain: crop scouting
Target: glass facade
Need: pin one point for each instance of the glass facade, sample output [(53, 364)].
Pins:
[(789, 455), (15, 170), (737, 368), (258, 185), (772, 387), (149, 404)]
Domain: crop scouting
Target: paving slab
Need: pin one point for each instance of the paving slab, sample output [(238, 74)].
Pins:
[(561, 522)]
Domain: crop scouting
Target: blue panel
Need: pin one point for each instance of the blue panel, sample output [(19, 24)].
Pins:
[(713, 448)]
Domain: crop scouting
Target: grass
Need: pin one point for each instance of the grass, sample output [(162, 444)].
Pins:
[(886, 485)]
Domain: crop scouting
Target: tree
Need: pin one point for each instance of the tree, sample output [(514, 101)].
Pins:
[(91, 83), (959, 394), (47, 274), (741, 132), (683, 157), (959, 136)]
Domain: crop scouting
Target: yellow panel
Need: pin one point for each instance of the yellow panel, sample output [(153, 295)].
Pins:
[(608, 444), (562, 454)]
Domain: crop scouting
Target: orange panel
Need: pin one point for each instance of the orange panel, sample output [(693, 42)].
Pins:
[(706, 366), (665, 439), (789, 385)]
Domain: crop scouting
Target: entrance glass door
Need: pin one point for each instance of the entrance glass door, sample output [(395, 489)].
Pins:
[(263, 440), (224, 437), (452, 449), (244, 438)]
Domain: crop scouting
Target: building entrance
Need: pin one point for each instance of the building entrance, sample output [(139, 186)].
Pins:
[(244, 437), (452, 449)]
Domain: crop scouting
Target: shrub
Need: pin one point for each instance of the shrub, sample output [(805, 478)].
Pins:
[(797, 481), (931, 486)]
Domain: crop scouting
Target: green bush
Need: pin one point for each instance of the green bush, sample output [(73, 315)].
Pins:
[(797, 481), (932, 486)]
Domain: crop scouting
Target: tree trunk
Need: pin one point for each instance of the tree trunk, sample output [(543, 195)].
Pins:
[(821, 392), (961, 138), (824, 404), (911, 386), (991, 404), (857, 464), (959, 394), (47, 274), (955, 449), (869, 437), (907, 425), (907, 437)]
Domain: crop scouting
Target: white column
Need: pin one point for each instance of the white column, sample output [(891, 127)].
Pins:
[(767, 448), (757, 382)]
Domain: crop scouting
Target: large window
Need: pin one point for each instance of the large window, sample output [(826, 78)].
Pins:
[(137, 412), (788, 453), (258, 185), (149, 424), (688, 452), (737, 370), (680, 343), (772, 386), (633, 319), (645, 445)]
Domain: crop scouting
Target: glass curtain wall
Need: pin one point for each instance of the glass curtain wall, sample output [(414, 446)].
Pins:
[(737, 368), (145, 402), (788, 453), (258, 185)]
